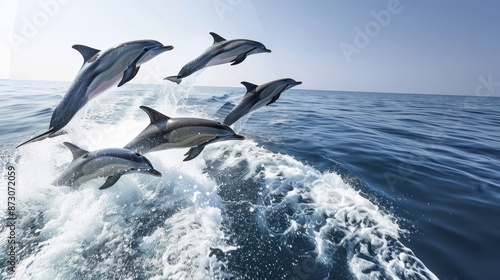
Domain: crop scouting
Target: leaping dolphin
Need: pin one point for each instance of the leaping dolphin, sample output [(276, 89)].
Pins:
[(170, 133), (100, 71), (222, 51), (110, 163), (258, 96)]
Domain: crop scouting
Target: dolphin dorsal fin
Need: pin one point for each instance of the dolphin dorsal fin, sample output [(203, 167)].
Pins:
[(86, 52), (250, 87), (75, 150), (217, 38), (154, 115)]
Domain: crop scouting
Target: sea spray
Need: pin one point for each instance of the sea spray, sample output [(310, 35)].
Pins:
[(305, 215), (271, 214)]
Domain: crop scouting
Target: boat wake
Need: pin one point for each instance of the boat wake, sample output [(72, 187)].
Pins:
[(265, 214)]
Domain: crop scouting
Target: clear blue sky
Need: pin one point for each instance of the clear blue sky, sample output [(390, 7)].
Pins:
[(428, 46)]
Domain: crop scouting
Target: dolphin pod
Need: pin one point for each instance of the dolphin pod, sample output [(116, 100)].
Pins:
[(258, 96), (110, 163), (100, 70), (222, 51), (165, 133)]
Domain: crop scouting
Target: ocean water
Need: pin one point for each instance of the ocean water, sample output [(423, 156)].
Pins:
[(327, 185)]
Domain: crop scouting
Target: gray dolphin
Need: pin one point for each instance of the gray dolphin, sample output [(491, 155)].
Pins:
[(100, 71), (222, 51), (111, 163), (170, 133), (258, 96)]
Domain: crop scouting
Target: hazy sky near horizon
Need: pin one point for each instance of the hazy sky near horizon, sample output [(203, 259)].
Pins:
[(440, 47)]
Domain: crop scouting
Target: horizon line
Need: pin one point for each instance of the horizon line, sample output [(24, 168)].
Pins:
[(335, 90)]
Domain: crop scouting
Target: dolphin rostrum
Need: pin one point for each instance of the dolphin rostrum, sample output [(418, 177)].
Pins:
[(258, 96), (111, 163), (170, 133), (222, 51), (100, 71)]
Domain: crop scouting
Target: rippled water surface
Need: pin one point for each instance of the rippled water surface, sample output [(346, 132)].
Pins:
[(336, 185)]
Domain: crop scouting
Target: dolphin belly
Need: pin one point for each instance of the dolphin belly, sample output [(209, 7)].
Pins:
[(221, 60), (194, 140), (239, 111), (182, 140), (103, 86)]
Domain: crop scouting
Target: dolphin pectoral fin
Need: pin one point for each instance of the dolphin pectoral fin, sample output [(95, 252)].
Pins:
[(129, 74), (86, 52), (174, 79), (239, 59), (38, 137), (217, 37), (194, 152), (131, 71), (75, 150), (110, 181), (274, 99)]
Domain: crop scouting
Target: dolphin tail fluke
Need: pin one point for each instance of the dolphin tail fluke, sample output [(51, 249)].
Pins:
[(174, 79), (50, 133)]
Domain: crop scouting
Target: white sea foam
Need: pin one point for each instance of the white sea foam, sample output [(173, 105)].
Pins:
[(142, 227), (329, 211), (163, 228)]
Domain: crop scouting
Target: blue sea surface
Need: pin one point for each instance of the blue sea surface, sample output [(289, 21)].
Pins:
[(327, 185)]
